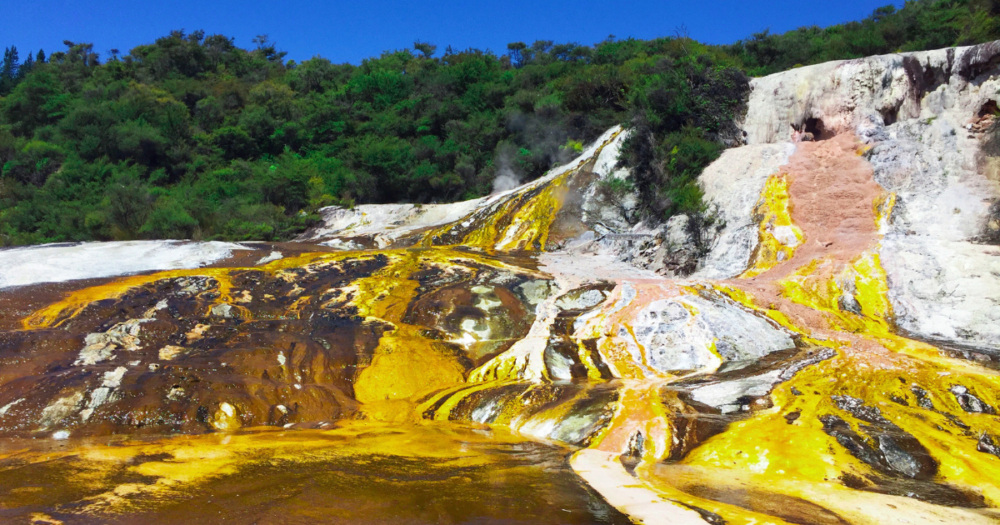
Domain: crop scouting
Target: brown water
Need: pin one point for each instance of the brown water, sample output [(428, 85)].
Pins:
[(358, 473)]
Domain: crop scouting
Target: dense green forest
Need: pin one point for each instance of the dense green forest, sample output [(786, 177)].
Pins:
[(194, 137)]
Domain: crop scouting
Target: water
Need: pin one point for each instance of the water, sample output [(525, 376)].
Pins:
[(357, 473)]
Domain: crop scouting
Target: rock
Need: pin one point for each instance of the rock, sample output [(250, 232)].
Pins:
[(101, 346), (898, 454), (59, 410), (969, 402), (732, 186), (923, 399), (858, 409), (988, 444), (535, 291), (273, 256), (582, 299), (633, 454), (848, 303), (226, 418), (170, 352), (721, 331), (897, 458), (223, 310), (729, 396), (678, 235)]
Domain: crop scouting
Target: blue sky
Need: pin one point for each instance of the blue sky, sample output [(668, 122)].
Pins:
[(348, 31)]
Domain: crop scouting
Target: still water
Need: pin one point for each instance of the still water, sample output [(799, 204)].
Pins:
[(357, 473)]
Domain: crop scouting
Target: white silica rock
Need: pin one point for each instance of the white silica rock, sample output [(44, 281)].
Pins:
[(596, 208), (725, 395), (271, 257), (385, 223), (943, 284), (732, 186), (945, 291), (67, 262), (862, 94), (692, 332), (921, 114), (389, 220), (606, 164)]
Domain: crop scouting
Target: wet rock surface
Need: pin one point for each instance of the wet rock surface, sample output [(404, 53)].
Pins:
[(284, 347)]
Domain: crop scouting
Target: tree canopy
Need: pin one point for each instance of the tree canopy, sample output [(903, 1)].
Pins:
[(194, 137)]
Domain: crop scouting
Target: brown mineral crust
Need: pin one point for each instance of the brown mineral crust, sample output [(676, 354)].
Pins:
[(20, 302), (255, 251), (274, 347)]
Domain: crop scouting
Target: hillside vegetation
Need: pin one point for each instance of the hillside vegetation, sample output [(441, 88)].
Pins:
[(194, 137)]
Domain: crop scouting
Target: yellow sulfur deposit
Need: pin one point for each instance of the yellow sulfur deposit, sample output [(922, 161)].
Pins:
[(778, 235)]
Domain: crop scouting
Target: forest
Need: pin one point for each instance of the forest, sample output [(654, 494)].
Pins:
[(192, 136)]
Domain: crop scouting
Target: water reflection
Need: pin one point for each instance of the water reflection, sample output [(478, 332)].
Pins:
[(356, 473)]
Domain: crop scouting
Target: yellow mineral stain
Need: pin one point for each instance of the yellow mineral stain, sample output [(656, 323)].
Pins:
[(645, 409), (405, 363), (522, 221), (872, 364), (175, 467), (774, 212)]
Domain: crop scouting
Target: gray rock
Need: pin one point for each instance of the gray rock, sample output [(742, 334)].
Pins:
[(223, 310), (675, 338), (969, 402), (988, 444)]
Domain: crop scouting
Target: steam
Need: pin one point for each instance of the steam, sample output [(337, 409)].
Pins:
[(507, 178), (546, 136)]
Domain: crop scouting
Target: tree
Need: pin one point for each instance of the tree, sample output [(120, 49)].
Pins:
[(427, 50), (8, 70), (26, 67), (127, 202), (516, 52)]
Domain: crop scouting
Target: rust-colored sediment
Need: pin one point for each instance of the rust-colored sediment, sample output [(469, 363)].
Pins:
[(832, 193)]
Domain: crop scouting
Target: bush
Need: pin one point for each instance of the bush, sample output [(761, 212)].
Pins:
[(169, 220), (264, 222), (34, 162), (128, 205), (235, 143), (683, 117)]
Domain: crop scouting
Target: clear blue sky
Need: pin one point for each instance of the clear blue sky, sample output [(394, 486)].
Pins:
[(348, 31)]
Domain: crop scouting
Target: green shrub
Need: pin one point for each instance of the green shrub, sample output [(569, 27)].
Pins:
[(169, 220), (128, 203)]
